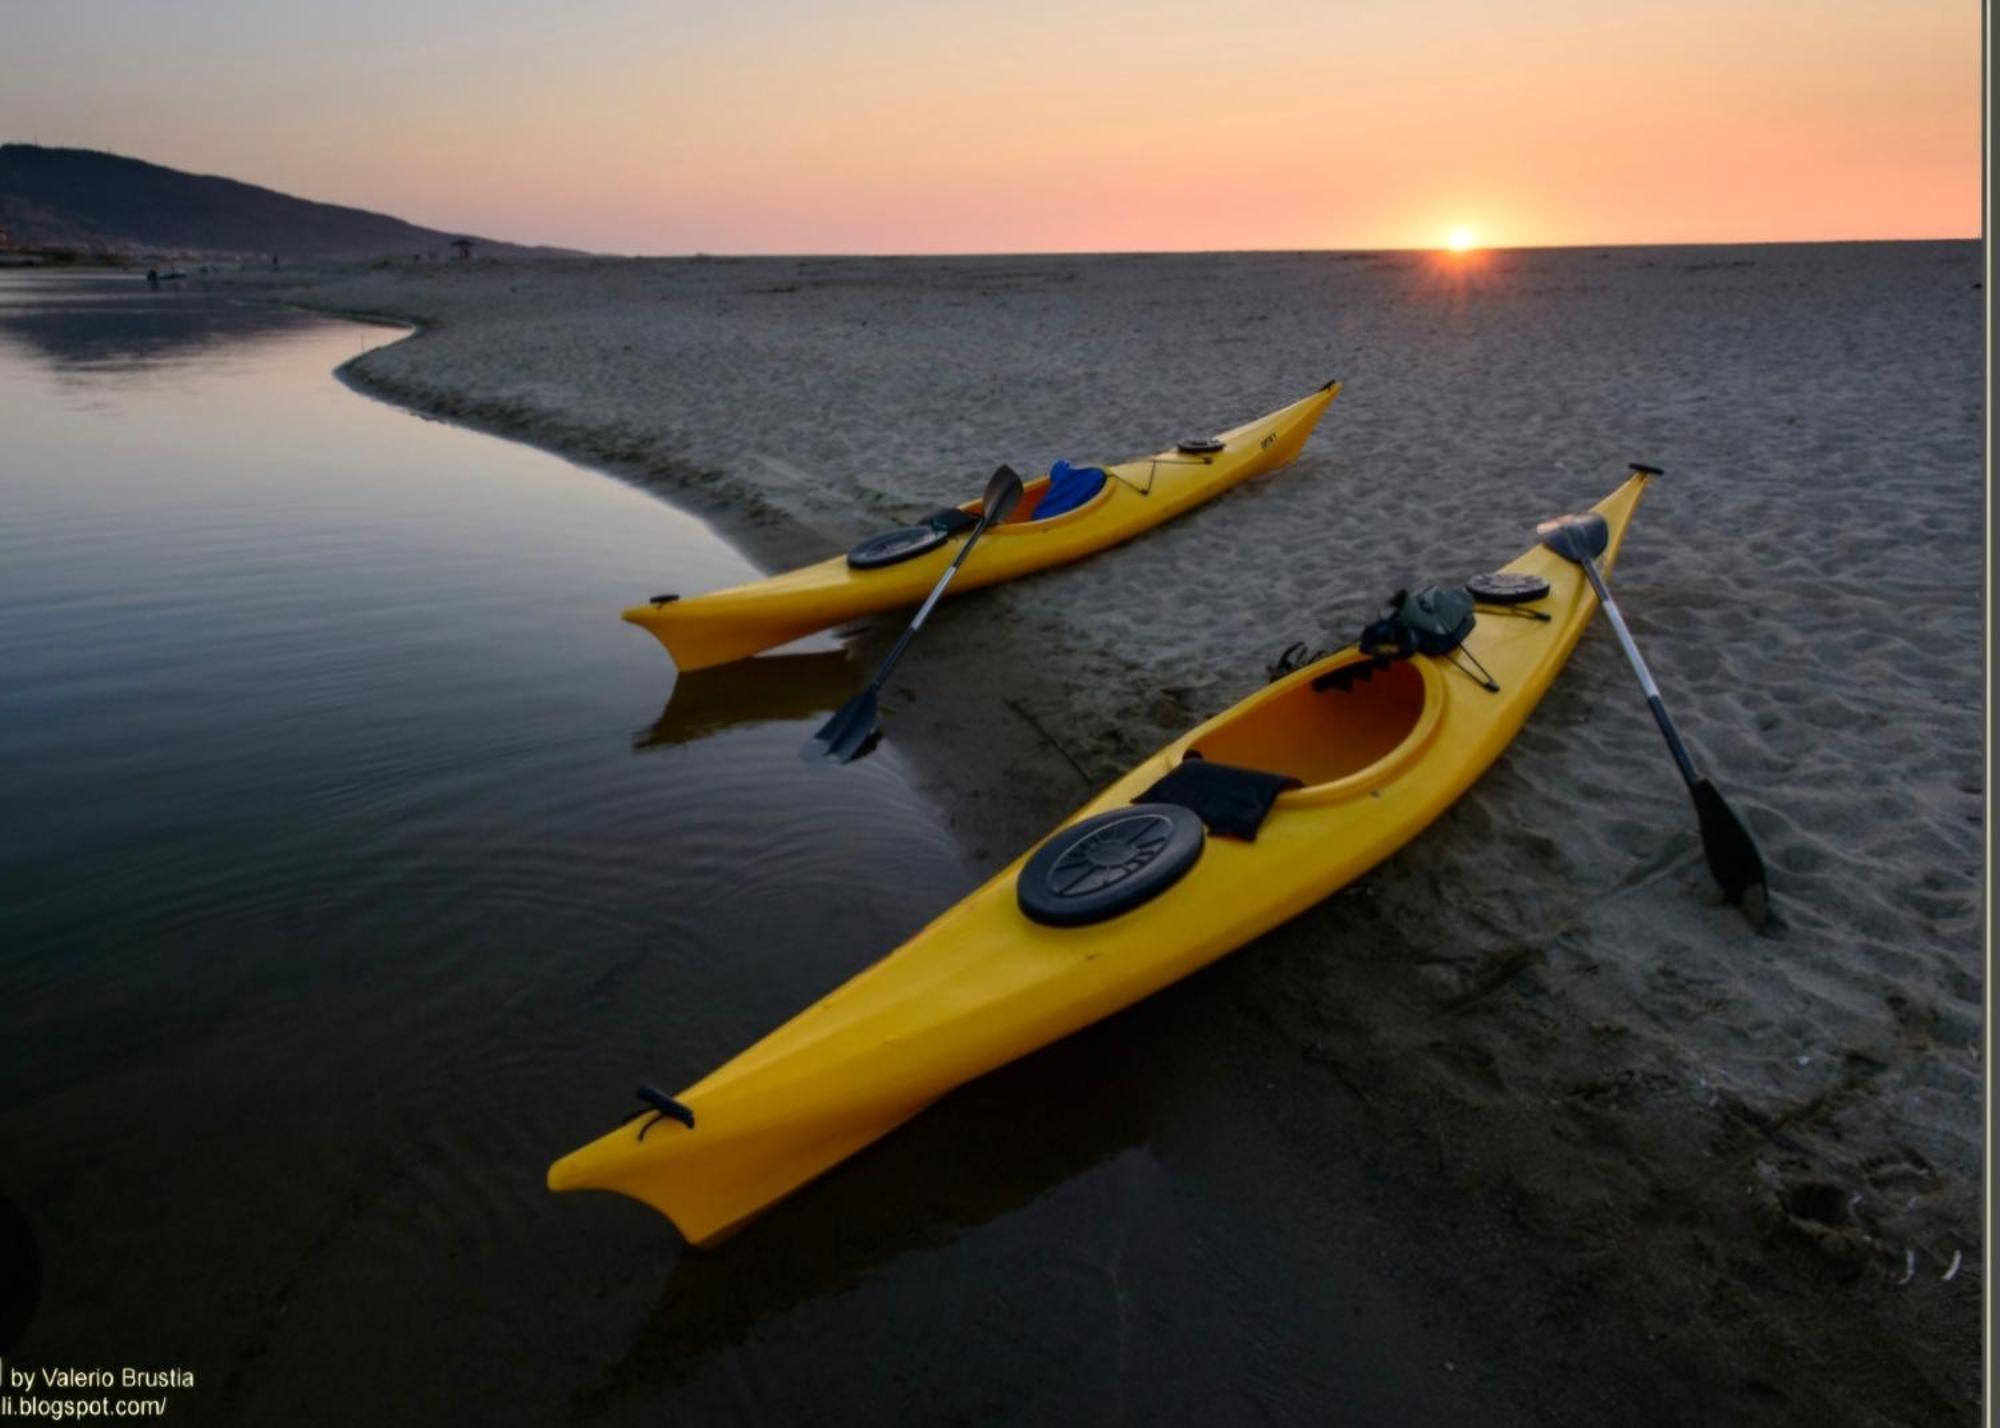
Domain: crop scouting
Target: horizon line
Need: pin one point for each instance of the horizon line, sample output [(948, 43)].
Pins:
[(747, 254)]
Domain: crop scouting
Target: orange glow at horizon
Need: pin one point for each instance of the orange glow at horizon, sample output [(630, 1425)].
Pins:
[(878, 126)]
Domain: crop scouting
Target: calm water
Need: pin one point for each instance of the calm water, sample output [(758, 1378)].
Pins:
[(348, 838), (301, 690), (354, 862)]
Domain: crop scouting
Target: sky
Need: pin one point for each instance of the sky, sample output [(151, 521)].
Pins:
[(886, 126)]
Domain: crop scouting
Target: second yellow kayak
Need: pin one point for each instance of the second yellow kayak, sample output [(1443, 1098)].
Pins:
[(706, 630), (1345, 761)]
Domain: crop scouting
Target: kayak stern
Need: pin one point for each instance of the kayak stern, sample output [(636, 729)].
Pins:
[(705, 637), (712, 1177)]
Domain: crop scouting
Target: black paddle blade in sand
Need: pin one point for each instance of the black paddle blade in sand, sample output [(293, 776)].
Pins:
[(852, 731), (1732, 853), (848, 735)]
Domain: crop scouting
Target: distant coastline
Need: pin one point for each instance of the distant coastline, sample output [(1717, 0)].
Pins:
[(81, 201)]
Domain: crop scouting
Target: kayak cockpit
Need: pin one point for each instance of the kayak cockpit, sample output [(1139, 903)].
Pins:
[(1036, 508), (1047, 501), (1339, 727)]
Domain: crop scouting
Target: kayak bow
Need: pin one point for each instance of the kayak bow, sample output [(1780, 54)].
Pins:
[(1379, 749), (705, 630)]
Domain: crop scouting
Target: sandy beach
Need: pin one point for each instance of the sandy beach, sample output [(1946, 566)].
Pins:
[(1743, 1168)]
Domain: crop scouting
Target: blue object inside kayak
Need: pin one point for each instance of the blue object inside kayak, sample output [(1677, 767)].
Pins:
[(1069, 487)]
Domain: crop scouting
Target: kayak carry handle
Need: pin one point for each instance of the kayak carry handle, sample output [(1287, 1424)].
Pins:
[(1644, 470), (663, 1106)]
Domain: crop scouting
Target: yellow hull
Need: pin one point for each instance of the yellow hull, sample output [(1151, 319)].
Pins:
[(706, 630), (983, 985)]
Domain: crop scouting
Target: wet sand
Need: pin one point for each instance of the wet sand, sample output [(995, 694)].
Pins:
[(1671, 1168)]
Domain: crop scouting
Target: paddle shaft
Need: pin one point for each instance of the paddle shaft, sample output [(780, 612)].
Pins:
[(930, 600), (1653, 700)]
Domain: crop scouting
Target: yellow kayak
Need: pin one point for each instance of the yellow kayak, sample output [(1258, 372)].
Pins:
[(706, 630), (1378, 748)]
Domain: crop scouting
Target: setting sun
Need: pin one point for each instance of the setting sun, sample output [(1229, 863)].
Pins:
[(1462, 240)]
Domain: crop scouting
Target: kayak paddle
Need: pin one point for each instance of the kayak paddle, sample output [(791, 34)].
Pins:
[(1732, 854), (851, 732)]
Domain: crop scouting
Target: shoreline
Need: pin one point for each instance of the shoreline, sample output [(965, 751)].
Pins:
[(703, 495), (1669, 1133), (751, 525)]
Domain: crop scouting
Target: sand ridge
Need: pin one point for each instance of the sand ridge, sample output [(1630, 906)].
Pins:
[(1541, 993)]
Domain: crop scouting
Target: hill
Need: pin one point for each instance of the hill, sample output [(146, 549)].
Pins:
[(91, 201)]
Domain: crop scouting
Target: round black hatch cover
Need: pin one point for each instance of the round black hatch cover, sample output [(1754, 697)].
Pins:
[(892, 546), (1200, 445), (1501, 588), (1109, 864)]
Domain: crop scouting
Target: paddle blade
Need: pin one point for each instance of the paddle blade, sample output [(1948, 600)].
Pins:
[(1576, 538), (1732, 853), (1003, 493), (848, 735)]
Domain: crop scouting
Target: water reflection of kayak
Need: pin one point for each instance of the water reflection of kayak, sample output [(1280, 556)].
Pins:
[(769, 690)]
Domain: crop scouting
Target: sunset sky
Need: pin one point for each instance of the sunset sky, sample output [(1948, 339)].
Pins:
[(653, 126)]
